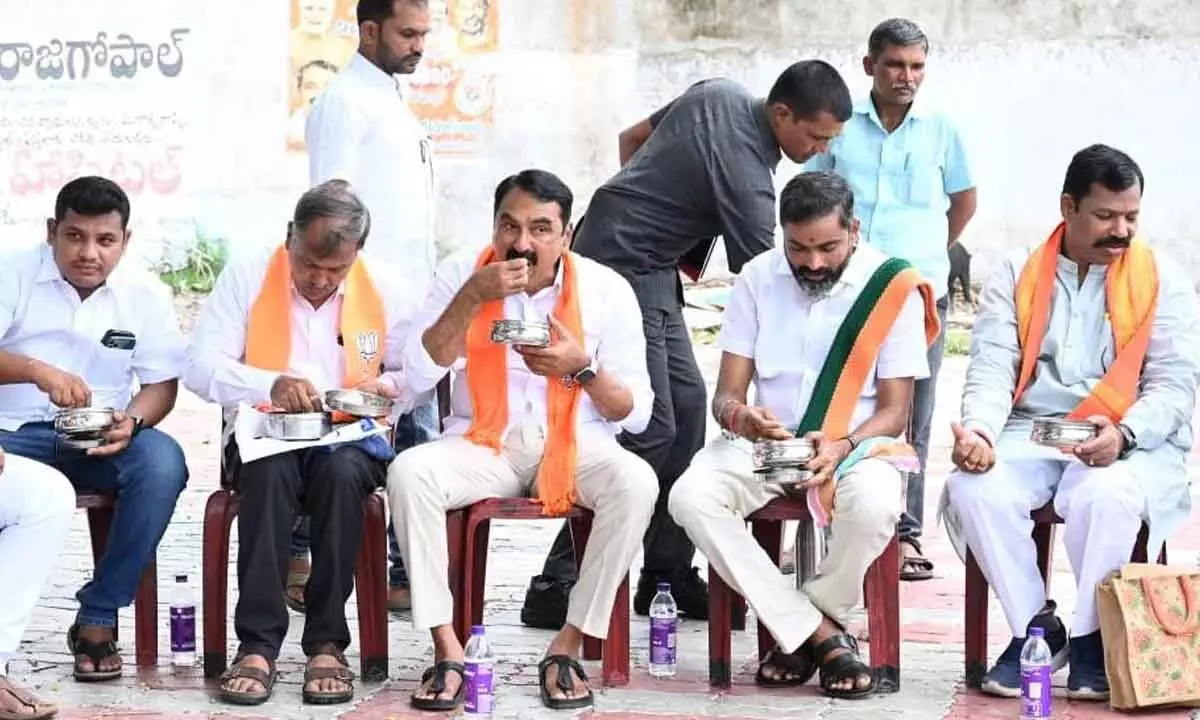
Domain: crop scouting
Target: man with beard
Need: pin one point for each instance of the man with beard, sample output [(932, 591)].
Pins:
[(526, 421), (362, 131), (1095, 325), (908, 168), (700, 167), (832, 335)]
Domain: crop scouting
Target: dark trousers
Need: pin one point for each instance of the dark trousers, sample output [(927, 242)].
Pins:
[(328, 487), (920, 422), (675, 434)]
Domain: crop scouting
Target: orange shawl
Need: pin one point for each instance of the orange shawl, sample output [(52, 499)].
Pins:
[(487, 383), (1131, 298), (363, 322)]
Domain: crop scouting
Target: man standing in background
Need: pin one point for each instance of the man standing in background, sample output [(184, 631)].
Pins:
[(361, 130), (700, 167), (914, 196)]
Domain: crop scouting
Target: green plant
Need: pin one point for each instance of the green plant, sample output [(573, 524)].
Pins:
[(958, 342), (203, 263)]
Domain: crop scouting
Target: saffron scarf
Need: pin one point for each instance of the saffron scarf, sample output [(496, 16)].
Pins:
[(487, 384)]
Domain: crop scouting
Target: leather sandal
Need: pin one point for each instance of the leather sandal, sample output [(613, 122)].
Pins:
[(96, 652), (847, 666), (41, 710), (914, 567), (342, 674), (564, 681), (794, 669), (246, 697), (437, 674), (293, 591)]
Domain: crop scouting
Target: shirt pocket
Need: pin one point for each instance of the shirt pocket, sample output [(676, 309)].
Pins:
[(924, 182), (110, 369)]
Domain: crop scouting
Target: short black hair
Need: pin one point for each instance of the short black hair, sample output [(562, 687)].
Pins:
[(322, 64), (380, 10), (1113, 169), (543, 185), (92, 196), (897, 32), (815, 194), (811, 87)]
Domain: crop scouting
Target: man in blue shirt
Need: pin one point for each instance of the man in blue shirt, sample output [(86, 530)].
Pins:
[(914, 195)]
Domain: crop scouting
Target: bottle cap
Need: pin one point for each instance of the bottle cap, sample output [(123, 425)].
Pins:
[(181, 578), (664, 587), (476, 629), (1037, 632)]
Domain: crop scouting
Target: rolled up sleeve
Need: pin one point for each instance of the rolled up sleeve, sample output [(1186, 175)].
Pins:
[(622, 352)]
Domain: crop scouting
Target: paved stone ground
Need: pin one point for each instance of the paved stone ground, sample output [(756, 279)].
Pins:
[(932, 617)]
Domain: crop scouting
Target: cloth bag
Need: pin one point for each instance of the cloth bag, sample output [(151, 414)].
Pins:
[(1150, 622)]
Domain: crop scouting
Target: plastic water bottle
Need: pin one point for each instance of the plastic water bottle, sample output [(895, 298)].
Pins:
[(478, 662), (1036, 669), (664, 622), (183, 624)]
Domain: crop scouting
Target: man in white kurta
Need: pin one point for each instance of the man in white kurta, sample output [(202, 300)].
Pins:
[(779, 332), (1105, 489), (508, 422), (36, 504)]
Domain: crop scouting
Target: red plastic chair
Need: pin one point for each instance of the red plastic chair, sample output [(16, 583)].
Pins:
[(976, 601), (881, 587), (469, 581), (100, 509)]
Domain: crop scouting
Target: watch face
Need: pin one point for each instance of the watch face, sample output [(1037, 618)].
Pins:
[(585, 376)]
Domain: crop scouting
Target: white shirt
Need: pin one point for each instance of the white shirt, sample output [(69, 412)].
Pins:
[(215, 364), (360, 130), (612, 326), (798, 331), (42, 317)]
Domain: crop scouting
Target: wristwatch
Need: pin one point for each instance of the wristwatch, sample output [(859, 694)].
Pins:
[(1128, 441), (584, 376)]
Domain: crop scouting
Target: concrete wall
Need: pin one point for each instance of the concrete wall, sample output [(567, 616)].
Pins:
[(1029, 82)]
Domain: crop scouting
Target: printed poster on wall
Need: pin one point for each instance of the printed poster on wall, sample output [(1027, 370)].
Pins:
[(451, 91)]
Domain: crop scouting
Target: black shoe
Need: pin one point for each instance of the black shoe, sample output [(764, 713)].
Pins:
[(1087, 680), (689, 591), (546, 603), (1004, 679)]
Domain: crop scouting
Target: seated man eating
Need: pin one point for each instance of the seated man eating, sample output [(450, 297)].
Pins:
[(832, 333), (280, 328), (526, 420), (1091, 325)]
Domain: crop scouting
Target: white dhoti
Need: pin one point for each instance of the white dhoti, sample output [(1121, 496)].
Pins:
[(712, 499), (1102, 508), (428, 480), (36, 504)]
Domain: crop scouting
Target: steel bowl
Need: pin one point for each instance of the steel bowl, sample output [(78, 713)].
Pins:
[(358, 403), (83, 441), (296, 426), (791, 479), (521, 332), (1060, 433), (83, 421), (790, 453)]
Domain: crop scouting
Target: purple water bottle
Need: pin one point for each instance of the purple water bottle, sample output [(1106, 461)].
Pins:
[(1037, 666), (183, 624), (663, 625), (478, 662)]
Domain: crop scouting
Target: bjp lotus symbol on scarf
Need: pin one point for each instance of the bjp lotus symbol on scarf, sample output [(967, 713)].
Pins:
[(368, 345)]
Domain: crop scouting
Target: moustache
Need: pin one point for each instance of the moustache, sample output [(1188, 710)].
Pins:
[(904, 88), (1113, 242), (413, 58), (515, 254)]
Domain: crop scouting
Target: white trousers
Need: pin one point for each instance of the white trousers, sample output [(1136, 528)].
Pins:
[(716, 493), (36, 505), (427, 480), (1102, 508)]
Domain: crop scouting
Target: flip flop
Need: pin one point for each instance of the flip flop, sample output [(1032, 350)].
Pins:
[(438, 674), (564, 682), (95, 651)]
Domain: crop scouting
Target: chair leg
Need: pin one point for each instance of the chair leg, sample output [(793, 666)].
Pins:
[(581, 530), (1043, 538), (615, 668), (371, 587), (455, 523), (479, 577), (720, 641), (975, 619), (145, 618), (475, 547), (219, 513), (769, 534), (882, 593)]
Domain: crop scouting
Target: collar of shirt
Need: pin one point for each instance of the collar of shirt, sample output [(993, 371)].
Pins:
[(771, 148), (370, 74), (856, 274), (866, 106)]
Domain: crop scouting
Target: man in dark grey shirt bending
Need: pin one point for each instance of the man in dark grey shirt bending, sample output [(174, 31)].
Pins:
[(700, 167)]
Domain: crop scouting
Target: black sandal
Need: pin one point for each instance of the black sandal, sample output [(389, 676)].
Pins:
[(847, 666), (563, 682), (914, 567), (237, 671), (438, 674), (342, 674), (95, 651), (797, 668)]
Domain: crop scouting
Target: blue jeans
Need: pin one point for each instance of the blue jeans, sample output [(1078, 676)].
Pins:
[(146, 477), (419, 426)]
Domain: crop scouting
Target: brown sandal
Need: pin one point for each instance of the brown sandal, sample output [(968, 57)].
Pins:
[(917, 567), (41, 709), (341, 674), (296, 582), (266, 678)]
